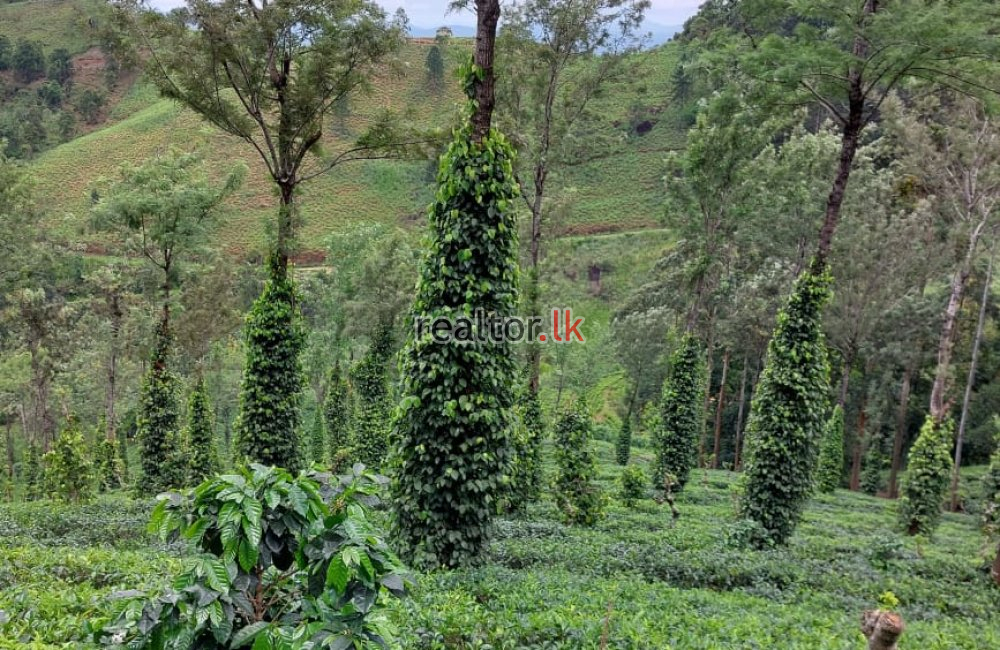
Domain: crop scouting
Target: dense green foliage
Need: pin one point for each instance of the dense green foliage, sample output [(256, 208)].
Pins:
[(285, 562), (317, 437), (203, 452), (336, 413), (69, 470), (926, 478), (528, 439), (267, 431), (452, 427), (830, 469), (158, 423), (634, 484), (577, 495), (786, 418), (991, 493), (681, 414), (874, 464), (623, 447), (371, 392), (108, 465)]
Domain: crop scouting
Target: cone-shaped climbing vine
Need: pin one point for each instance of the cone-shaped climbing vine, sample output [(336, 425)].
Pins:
[(204, 454), (623, 447), (158, 420), (452, 426), (577, 495), (335, 411), (372, 408), (681, 414), (831, 453), (267, 430), (926, 480), (788, 413)]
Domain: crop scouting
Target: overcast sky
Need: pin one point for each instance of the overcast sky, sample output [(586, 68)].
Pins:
[(427, 13)]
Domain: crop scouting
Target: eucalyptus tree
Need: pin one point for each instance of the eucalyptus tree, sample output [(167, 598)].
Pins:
[(555, 57), (270, 74)]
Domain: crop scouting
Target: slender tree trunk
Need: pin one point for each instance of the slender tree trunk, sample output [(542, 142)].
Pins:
[(10, 447), (859, 445), (487, 16), (955, 472), (709, 369), (286, 225), (939, 406), (996, 567), (845, 376), (853, 124), (717, 449), (111, 391), (737, 460), (900, 437)]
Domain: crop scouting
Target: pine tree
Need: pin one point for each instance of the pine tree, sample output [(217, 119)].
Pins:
[(453, 423), (267, 428), (336, 411), (787, 413), (204, 452), (926, 480), (623, 448), (681, 414), (831, 454), (158, 420), (577, 496), (371, 389)]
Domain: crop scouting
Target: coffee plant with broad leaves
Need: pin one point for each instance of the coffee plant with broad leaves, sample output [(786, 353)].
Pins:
[(285, 562)]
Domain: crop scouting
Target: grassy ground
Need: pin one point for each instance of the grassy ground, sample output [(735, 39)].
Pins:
[(635, 579), (55, 23)]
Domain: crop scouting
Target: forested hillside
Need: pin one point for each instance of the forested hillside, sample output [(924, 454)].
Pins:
[(316, 334)]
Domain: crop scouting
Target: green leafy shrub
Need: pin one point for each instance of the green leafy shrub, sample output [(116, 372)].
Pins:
[(681, 414), (991, 493), (528, 446), (453, 423), (109, 468), (623, 446), (577, 495), (157, 422), (69, 472), (787, 412), (633, 485), (926, 478), (32, 473), (317, 437), (830, 469), (336, 414), (371, 389), (267, 428), (285, 562), (203, 450), (875, 462)]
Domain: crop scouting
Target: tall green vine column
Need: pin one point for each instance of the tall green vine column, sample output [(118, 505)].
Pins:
[(681, 414), (925, 482), (158, 421), (267, 430), (787, 414), (831, 454), (372, 407), (452, 426)]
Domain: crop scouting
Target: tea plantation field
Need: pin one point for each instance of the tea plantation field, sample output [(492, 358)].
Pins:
[(634, 581)]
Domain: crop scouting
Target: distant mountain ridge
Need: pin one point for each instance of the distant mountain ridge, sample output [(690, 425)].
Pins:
[(659, 33)]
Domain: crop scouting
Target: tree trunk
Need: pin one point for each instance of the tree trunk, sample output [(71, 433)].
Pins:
[(286, 224), (116, 315), (882, 629), (845, 376), (897, 443), (10, 447), (487, 16), (853, 124), (969, 382), (859, 450), (996, 567), (946, 344), (737, 459), (709, 367), (717, 449)]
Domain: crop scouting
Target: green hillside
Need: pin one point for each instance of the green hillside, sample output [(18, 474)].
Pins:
[(598, 196), (54, 23)]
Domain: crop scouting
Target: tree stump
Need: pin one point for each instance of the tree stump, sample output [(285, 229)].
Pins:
[(882, 629)]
